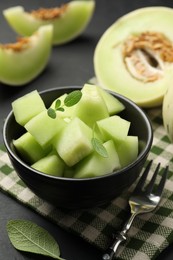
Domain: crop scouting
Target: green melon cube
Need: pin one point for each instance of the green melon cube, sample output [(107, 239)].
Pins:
[(51, 164), (43, 128), (95, 165), (74, 142), (114, 127), (113, 104), (28, 148), (91, 107), (27, 106), (128, 150)]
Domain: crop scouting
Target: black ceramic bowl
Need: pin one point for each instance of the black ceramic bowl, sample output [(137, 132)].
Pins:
[(81, 193)]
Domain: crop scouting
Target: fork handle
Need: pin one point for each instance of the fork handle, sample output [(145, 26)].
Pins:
[(119, 238)]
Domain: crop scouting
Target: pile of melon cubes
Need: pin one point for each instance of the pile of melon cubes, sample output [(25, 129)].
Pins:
[(62, 146)]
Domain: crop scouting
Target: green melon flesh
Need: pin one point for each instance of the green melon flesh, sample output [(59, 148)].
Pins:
[(114, 127), (22, 66), (43, 128), (28, 148), (51, 165), (27, 106), (74, 142), (91, 107), (110, 68), (95, 165), (114, 106), (65, 27), (128, 150)]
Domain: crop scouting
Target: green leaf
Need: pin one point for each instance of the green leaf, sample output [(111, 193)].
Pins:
[(57, 104), (61, 109), (51, 113), (27, 236), (73, 98), (98, 147)]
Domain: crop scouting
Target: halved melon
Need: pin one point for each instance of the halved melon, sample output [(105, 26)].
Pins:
[(68, 21), (24, 60), (134, 56)]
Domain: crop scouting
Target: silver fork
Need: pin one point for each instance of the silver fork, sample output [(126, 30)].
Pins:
[(142, 200)]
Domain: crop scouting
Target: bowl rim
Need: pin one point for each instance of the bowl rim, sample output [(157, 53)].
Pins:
[(140, 157)]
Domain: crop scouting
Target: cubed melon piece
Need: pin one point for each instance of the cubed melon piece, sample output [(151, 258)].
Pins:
[(114, 127), (91, 107), (113, 104), (95, 165), (43, 128), (28, 148), (128, 150), (51, 164), (74, 142), (27, 106)]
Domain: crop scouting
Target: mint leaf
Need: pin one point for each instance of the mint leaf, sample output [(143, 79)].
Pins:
[(72, 98), (61, 109), (57, 104), (27, 236), (51, 113), (98, 147)]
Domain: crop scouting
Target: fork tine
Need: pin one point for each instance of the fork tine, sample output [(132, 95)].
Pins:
[(152, 181), (162, 182), (142, 180)]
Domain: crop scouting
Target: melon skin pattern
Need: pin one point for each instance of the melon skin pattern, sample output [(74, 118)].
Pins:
[(167, 113), (30, 104), (110, 65), (63, 147), (19, 67), (66, 27)]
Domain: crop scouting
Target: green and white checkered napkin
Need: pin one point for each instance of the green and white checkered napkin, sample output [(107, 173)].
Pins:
[(150, 233)]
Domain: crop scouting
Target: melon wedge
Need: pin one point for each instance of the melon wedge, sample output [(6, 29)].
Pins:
[(23, 61), (68, 21), (126, 64)]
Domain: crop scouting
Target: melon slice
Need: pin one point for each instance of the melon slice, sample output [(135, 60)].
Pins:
[(51, 164), (24, 60), (114, 127), (68, 21), (91, 107), (27, 106), (28, 148), (95, 165), (128, 59), (74, 142), (128, 150), (43, 128)]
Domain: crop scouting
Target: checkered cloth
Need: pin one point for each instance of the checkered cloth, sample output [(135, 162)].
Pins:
[(149, 234)]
